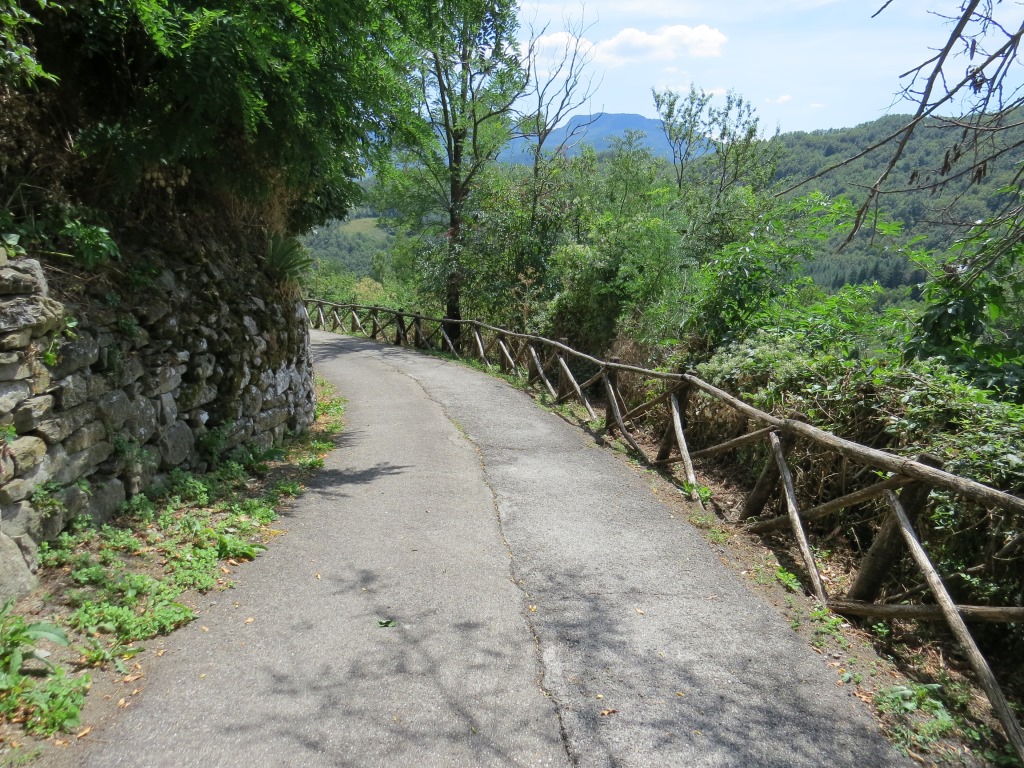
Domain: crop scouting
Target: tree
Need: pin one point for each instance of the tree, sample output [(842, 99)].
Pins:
[(256, 114), (469, 78)]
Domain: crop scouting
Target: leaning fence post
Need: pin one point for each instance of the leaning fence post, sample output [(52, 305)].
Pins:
[(768, 479), (887, 548)]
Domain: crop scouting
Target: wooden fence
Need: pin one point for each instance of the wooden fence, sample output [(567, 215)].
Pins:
[(548, 365)]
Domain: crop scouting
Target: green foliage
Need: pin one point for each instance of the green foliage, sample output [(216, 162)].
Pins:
[(788, 580), (47, 705), (18, 63), (287, 259)]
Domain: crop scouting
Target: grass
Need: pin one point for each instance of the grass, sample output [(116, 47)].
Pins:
[(111, 587)]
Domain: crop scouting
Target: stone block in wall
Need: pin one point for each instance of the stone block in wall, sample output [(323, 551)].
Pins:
[(73, 500), (141, 423), (166, 379), (201, 367), (14, 366), (176, 444), (19, 519), (192, 396), (138, 474), (12, 393), (6, 468), (17, 340), (252, 401), (24, 276), (27, 452), (37, 314), (107, 497), (76, 354), (58, 428), (267, 420), (72, 390), (22, 487), (81, 463), (114, 408), (126, 371), (167, 409), (15, 577), (31, 412), (86, 437)]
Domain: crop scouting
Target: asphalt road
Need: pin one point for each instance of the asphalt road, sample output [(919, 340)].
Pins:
[(471, 581)]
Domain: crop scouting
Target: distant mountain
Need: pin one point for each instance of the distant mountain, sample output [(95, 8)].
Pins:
[(598, 134)]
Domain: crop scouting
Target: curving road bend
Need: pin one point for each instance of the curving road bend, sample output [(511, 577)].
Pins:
[(471, 581)]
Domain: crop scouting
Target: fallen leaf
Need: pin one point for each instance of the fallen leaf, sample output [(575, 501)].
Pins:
[(122, 703), (386, 623), (680, 693), (640, 611), (58, 742), (135, 691), (318, 577), (225, 569), (232, 562), (131, 678), (250, 620), (202, 676), (205, 629), (607, 712), (161, 652), (533, 609), (84, 732), (599, 696)]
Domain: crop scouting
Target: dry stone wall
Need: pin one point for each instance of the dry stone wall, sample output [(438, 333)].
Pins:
[(99, 402)]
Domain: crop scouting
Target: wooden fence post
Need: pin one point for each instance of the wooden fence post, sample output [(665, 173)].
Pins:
[(768, 479), (887, 548), (612, 377), (375, 330), (400, 334), (417, 331), (564, 387)]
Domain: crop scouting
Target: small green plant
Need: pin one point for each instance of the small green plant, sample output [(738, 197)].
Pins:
[(788, 580), (50, 354), (311, 462), (46, 705), (828, 626), (287, 488), (287, 259), (702, 491), (920, 716)]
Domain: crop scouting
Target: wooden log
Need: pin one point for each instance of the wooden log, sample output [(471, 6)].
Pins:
[(480, 345), (887, 548), (401, 338), (1001, 707), (643, 408), (320, 317), (729, 445), (668, 439), (448, 341), (356, 324), (592, 380), (794, 517), (678, 417), (417, 332), (753, 505), (375, 324), (610, 377), (539, 369), (574, 388), (617, 415), (815, 513), (508, 363), (564, 388), (888, 611)]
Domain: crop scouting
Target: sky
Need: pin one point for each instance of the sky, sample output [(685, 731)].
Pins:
[(802, 64)]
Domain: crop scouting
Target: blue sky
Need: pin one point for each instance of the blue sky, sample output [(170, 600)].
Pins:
[(803, 64)]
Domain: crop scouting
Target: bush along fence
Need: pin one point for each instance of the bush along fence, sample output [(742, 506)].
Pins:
[(657, 408)]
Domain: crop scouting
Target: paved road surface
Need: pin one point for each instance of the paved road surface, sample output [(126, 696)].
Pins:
[(546, 610)]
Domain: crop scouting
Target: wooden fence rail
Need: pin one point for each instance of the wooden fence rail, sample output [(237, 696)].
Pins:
[(549, 365)]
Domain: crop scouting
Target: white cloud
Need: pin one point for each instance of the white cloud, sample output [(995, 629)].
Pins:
[(818, 105), (780, 100), (664, 44)]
